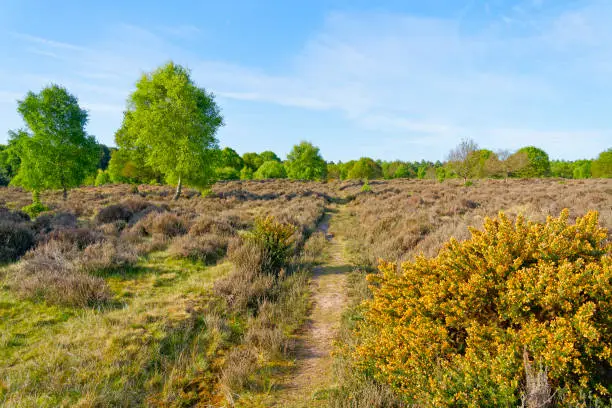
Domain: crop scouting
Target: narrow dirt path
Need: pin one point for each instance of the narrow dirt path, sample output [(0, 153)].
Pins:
[(314, 360)]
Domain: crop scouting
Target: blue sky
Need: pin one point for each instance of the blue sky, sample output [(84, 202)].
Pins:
[(386, 79)]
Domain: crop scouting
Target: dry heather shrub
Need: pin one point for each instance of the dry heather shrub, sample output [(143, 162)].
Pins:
[(241, 363), (79, 237), (212, 225), (313, 248), (51, 273), (166, 224), (107, 256), (48, 222), (15, 240), (112, 213), (247, 286), (206, 248), (451, 330), (264, 331), (275, 240)]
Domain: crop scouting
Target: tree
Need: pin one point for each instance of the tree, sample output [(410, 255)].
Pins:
[(270, 170), (269, 156), (365, 168), (464, 159), (304, 162), (229, 158), (333, 171), (246, 173), (504, 163), (582, 169), (54, 150), (538, 163), (602, 167), (174, 123), (252, 160), (562, 168), (105, 155)]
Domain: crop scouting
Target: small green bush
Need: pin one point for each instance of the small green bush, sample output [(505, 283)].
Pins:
[(366, 187), (34, 209), (102, 178), (275, 240)]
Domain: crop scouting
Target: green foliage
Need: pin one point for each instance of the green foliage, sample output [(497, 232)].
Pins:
[(270, 170), (128, 166), (582, 169), (268, 156), (246, 173), (404, 171), (304, 162), (366, 187), (602, 166), (452, 330), (333, 171), (465, 159), (538, 163), (34, 209), (104, 155), (102, 178), (173, 123), (228, 173), (252, 161), (365, 168), (275, 239), (229, 158), (54, 150), (562, 168)]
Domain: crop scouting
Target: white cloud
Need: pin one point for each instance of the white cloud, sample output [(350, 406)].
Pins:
[(415, 80)]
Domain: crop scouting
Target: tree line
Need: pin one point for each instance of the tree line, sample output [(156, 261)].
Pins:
[(168, 135)]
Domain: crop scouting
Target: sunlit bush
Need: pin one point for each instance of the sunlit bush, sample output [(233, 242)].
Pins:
[(451, 330)]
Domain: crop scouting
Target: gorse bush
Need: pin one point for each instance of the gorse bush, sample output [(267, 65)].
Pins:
[(275, 239), (452, 330)]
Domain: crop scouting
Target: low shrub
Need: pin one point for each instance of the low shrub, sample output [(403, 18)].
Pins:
[(453, 329), (13, 216), (207, 248), (34, 209), (209, 225), (107, 256), (51, 273), (112, 213), (48, 222), (79, 237), (275, 239), (15, 240), (166, 224)]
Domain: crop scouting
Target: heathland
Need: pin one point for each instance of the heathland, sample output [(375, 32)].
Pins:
[(255, 294)]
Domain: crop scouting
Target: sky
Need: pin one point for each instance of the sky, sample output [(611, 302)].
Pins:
[(385, 79)]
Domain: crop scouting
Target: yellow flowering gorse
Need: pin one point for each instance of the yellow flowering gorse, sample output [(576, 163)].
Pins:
[(451, 330)]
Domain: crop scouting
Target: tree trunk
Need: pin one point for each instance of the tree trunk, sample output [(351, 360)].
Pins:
[(179, 187), (65, 194)]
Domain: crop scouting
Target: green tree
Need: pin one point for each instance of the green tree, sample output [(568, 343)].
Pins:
[(252, 160), (562, 168), (269, 156), (582, 169), (102, 178), (270, 170), (504, 164), (464, 159), (333, 171), (246, 173), (104, 156), (365, 168), (229, 158), (602, 166), (227, 173), (174, 123), (404, 171), (304, 162), (538, 163), (54, 150)]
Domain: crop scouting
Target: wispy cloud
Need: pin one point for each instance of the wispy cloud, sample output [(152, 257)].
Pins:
[(412, 80)]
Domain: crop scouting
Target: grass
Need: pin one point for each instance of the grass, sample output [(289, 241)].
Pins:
[(60, 356)]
